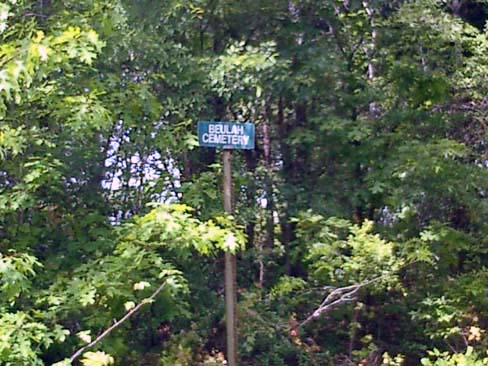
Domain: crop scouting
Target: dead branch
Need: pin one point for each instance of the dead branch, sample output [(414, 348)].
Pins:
[(117, 323), (336, 297)]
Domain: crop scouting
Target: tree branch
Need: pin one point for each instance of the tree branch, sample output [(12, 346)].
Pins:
[(117, 323), (338, 296)]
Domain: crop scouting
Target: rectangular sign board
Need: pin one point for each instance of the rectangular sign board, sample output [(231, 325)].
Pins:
[(226, 135)]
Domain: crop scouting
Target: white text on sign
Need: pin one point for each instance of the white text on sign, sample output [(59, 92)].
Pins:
[(225, 134)]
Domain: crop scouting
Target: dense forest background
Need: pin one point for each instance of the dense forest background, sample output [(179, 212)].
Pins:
[(361, 218)]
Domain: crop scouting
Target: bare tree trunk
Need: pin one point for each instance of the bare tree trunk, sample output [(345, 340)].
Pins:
[(370, 52), (265, 248), (268, 186), (456, 6), (251, 160), (286, 225)]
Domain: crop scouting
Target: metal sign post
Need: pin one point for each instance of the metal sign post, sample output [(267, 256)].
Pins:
[(228, 135), (230, 270)]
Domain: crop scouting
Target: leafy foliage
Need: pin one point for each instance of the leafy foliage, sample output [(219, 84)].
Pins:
[(360, 218)]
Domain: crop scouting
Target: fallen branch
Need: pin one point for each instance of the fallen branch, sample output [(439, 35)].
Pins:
[(117, 323), (338, 296)]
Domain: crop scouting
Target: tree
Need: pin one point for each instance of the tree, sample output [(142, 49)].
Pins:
[(366, 191)]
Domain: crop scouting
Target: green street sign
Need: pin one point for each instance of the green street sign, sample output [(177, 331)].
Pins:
[(226, 135)]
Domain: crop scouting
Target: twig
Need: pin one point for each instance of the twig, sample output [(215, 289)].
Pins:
[(338, 296), (117, 323), (32, 14)]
